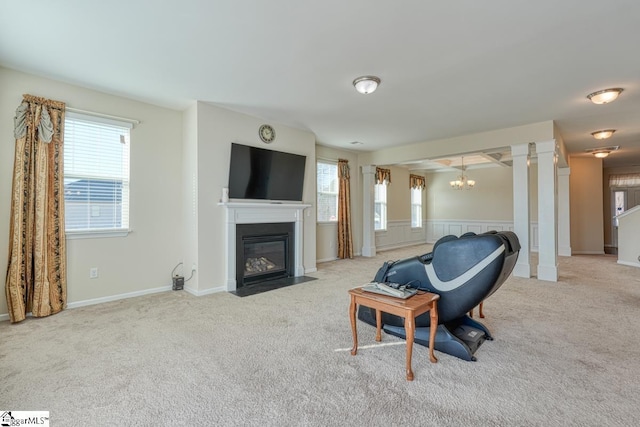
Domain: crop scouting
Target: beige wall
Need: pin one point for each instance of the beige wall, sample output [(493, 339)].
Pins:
[(586, 205), (143, 260), (399, 195), (491, 198), (217, 128)]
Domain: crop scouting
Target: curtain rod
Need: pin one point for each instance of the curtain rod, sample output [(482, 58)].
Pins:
[(104, 116)]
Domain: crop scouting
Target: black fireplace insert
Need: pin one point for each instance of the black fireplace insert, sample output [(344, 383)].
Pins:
[(264, 252)]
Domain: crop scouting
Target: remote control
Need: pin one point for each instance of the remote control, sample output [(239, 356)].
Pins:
[(386, 288)]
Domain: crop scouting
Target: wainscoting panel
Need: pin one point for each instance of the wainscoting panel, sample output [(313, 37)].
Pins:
[(398, 234), (442, 227)]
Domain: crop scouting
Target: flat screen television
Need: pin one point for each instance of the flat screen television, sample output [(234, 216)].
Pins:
[(260, 174)]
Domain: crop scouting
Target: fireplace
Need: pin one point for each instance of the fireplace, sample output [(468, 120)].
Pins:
[(250, 213), (264, 252)]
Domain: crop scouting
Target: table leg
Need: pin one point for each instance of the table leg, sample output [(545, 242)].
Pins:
[(352, 317), (432, 330), (378, 325), (409, 327)]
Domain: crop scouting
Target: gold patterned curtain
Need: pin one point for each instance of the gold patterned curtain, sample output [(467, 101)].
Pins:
[(37, 268), (345, 239), (383, 176), (417, 181)]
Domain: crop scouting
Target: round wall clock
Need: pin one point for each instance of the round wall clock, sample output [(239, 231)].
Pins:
[(267, 134)]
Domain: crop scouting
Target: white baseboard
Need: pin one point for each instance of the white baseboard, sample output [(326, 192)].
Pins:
[(588, 252), (630, 264), (206, 291), (101, 300), (110, 298), (310, 270), (400, 245), (318, 261)]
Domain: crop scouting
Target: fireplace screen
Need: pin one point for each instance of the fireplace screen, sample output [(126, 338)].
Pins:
[(265, 256), (264, 251)]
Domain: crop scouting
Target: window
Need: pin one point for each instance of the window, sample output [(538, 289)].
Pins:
[(619, 202), (327, 180), (380, 206), (416, 207), (96, 175)]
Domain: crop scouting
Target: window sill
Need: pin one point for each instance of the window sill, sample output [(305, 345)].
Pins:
[(96, 234)]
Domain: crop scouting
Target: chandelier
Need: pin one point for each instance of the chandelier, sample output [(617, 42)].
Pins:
[(462, 181)]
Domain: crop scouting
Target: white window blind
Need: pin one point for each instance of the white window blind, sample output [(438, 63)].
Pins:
[(416, 207), (624, 180), (96, 174), (327, 191), (380, 206)]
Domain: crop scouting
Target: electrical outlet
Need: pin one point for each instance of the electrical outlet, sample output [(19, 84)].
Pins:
[(193, 267), (93, 273)]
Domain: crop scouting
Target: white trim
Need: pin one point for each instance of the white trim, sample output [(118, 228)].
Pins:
[(310, 270), (398, 234), (630, 264), (259, 213), (96, 234), (105, 118), (588, 252), (209, 291), (101, 300), (437, 228), (94, 301)]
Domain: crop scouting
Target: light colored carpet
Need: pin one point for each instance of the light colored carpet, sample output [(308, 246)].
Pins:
[(564, 353)]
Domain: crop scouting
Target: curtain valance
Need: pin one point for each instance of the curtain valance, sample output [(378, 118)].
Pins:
[(417, 181), (42, 121), (383, 176), (343, 169)]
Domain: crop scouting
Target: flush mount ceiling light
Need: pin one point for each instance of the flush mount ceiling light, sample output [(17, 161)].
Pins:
[(366, 84), (602, 152), (604, 96), (603, 134)]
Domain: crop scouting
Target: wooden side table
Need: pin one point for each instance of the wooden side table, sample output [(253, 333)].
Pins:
[(408, 308)]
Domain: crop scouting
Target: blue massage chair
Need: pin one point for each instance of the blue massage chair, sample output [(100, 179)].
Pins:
[(464, 271)]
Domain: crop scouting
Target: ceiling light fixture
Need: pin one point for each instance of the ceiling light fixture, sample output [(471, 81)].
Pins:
[(602, 152), (366, 84), (603, 134), (604, 96), (463, 181)]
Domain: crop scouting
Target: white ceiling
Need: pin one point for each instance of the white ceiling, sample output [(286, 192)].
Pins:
[(447, 68)]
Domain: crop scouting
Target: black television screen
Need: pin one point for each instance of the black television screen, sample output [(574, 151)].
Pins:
[(257, 173)]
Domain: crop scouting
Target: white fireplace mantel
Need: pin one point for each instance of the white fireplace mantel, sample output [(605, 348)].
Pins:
[(261, 213)]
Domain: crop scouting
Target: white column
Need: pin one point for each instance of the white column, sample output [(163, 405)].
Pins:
[(547, 210), (521, 216), (368, 225), (564, 219)]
